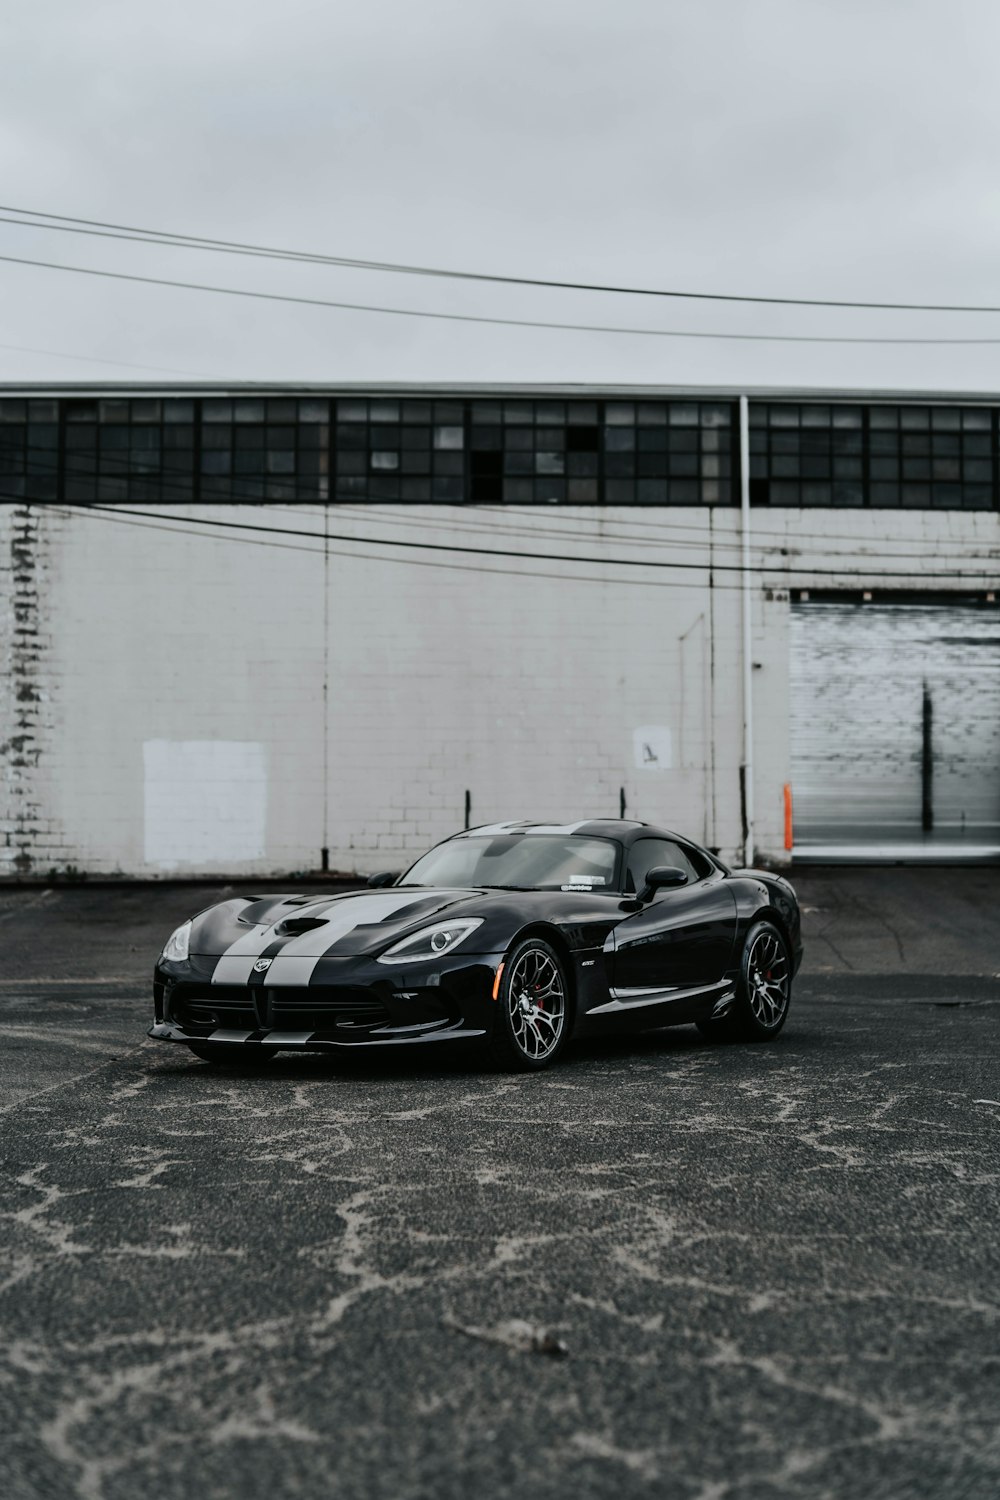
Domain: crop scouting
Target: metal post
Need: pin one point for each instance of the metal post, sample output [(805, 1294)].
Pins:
[(747, 767)]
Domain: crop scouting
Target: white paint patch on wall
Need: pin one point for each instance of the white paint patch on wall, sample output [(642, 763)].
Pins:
[(205, 802), (652, 748)]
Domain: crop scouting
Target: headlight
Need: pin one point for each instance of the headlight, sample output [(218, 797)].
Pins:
[(431, 942), (178, 943)]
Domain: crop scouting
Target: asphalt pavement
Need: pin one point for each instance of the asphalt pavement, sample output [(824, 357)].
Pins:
[(663, 1268)]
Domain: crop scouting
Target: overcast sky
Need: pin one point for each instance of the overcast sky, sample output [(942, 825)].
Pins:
[(824, 148)]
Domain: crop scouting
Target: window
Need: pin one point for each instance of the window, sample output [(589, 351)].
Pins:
[(646, 854)]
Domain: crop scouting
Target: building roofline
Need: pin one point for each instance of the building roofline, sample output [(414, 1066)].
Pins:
[(484, 390)]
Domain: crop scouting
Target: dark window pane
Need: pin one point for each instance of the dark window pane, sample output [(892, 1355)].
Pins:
[(848, 495), (619, 414), (216, 437), (112, 411), (145, 411), (847, 416), (977, 468), (946, 418), (352, 411), (619, 439), (519, 463), (618, 465), (884, 468), (583, 491), (683, 492), (977, 419), (281, 409), (885, 494), (583, 439), (883, 416), (784, 416), (352, 462), (449, 463), (354, 436), (216, 411), (651, 491), (248, 411), (518, 489), (550, 411), (383, 411), (519, 437), (583, 465), (654, 465), (549, 463), (485, 437), (248, 437), (550, 437), (550, 489), (651, 414), (416, 437), (279, 462), (654, 439), (620, 492), (486, 413), (912, 419), (582, 414), (447, 487), (420, 489), (416, 461), (214, 461), (683, 415), (815, 416), (417, 412), (314, 411), (716, 415)]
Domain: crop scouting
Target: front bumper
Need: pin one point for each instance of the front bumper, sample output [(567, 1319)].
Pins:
[(349, 1002)]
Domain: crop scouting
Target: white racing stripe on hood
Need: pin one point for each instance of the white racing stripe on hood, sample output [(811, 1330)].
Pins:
[(297, 959)]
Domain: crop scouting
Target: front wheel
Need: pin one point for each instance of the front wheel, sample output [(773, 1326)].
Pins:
[(763, 993), (532, 1023)]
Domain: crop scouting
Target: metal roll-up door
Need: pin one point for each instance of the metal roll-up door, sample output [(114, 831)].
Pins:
[(895, 729)]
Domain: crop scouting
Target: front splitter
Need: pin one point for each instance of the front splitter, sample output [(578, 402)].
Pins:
[(311, 1041)]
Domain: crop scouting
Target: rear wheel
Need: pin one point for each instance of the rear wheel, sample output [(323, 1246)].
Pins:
[(763, 993), (232, 1053), (533, 1018)]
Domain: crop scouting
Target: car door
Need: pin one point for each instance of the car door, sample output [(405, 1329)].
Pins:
[(684, 938)]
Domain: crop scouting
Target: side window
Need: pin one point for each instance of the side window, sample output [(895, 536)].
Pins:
[(646, 853)]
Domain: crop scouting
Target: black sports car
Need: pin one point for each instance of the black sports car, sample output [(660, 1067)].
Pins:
[(522, 934)]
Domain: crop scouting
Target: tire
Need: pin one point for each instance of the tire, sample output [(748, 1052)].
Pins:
[(763, 992), (233, 1054), (534, 1016)]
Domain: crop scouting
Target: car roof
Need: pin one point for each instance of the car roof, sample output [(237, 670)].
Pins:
[(625, 830)]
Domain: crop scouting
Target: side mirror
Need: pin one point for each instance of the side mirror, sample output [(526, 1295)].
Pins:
[(659, 878), (384, 877)]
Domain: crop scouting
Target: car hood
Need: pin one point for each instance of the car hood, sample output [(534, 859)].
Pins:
[(322, 926)]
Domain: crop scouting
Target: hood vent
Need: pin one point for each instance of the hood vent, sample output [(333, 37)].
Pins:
[(290, 926)]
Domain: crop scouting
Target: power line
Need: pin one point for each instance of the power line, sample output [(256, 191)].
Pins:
[(449, 317), (618, 562), (177, 528), (99, 227)]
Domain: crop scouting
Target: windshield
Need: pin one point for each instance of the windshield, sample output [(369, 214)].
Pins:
[(536, 862)]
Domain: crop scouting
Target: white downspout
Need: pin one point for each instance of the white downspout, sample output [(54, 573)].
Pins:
[(747, 638)]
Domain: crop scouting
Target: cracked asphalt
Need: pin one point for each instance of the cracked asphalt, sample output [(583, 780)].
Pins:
[(774, 1269)]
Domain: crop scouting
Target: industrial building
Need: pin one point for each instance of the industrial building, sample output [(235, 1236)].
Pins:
[(259, 631)]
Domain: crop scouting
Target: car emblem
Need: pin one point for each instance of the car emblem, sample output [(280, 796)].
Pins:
[(261, 965)]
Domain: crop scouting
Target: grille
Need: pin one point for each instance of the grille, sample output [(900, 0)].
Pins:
[(288, 1009)]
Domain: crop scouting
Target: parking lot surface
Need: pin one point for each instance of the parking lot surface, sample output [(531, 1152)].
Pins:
[(663, 1268)]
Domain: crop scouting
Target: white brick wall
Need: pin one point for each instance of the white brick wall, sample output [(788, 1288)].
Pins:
[(522, 688)]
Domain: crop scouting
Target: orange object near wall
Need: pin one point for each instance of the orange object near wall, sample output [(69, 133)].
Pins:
[(788, 814)]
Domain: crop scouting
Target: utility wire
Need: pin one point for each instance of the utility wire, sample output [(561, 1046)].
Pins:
[(73, 225), (448, 317), (732, 586), (618, 562)]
